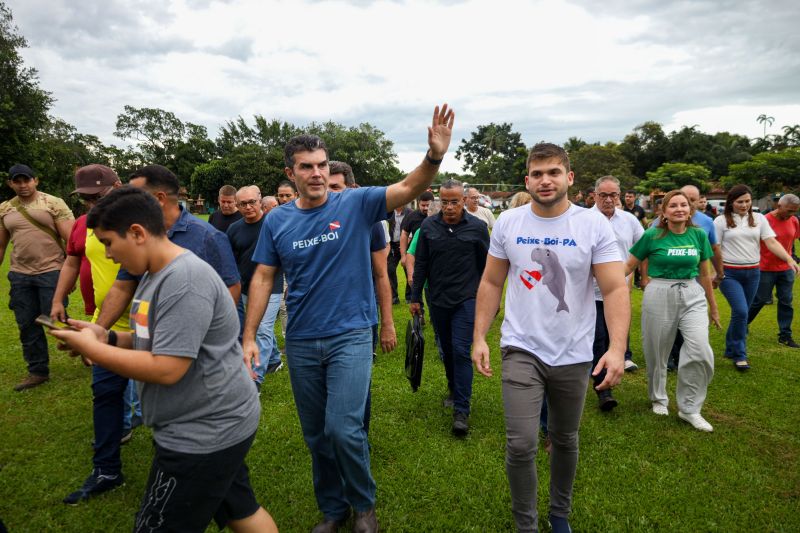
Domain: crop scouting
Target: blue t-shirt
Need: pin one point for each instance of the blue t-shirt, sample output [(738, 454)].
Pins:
[(325, 253), (206, 242), (702, 221)]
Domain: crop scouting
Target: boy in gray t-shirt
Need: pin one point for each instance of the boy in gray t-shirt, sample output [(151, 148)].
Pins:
[(196, 392)]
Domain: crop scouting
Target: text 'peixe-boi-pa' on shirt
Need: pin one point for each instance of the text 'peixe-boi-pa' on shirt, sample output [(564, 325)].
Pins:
[(550, 308), (325, 253), (185, 310)]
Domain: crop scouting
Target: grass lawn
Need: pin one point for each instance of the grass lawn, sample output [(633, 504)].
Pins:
[(637, 471)]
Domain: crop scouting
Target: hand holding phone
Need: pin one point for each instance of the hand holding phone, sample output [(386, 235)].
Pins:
[(49, 323)]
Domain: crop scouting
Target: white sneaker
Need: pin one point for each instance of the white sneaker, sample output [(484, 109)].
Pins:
[(630, 366), (660, 409), (697, 421)]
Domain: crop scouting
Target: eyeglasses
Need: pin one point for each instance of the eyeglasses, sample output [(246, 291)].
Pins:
[(88, 198), (247, 203), (450, 202), (606, 195)]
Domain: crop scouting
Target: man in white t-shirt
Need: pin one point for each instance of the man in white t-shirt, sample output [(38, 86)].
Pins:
[(549, 252), (483, 213)]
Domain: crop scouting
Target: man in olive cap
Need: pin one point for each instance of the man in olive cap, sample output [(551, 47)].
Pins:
[(37, 224)]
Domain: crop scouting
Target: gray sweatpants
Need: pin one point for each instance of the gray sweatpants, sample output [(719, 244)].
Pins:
[(526, 379), (669, 305)]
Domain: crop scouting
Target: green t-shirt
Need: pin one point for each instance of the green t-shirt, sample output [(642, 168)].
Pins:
[(673, 256)]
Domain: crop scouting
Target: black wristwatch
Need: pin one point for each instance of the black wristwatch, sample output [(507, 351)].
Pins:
[(432, 161), (112, 338)]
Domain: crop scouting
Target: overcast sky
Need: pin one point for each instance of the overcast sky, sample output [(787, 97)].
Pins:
[(579, 68)]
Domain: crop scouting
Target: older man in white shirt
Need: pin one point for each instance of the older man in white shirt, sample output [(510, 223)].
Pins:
[(628, 230)]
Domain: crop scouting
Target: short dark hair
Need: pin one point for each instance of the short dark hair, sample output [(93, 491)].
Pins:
[(227, 190), (427, 196), (451, 184), (630, 191), (302, 143), (158, 178), (340, 167), (123, 207), (543, 151), (286, 183)]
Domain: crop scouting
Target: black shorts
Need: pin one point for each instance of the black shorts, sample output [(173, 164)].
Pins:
[(185, 491)]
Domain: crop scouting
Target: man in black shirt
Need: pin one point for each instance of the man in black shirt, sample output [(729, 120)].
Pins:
[(227, 213), (412, 222), (631, 207), (243, 235), (450, 256)]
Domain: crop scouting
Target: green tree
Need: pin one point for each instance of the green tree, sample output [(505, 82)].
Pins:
[(364, 147), (671, 176), (593, 161), (574, 144), (164, 139), (23, 104), (494, 153), (767, 172), (647, 147)]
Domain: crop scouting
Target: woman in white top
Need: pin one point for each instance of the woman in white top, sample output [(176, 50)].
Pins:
[(739, 232)]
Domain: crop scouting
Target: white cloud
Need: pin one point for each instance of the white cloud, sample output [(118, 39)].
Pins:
[(554, 69)]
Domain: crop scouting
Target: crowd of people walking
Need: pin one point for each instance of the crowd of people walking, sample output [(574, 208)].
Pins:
[(319, 261)]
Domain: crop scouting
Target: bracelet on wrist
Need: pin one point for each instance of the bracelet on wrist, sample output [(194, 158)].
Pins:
[(112, 338)]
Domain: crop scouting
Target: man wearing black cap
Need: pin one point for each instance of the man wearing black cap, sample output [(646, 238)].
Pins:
[(37, 224)]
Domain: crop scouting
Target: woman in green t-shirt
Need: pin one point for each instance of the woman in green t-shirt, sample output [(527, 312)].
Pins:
[(678, 257)]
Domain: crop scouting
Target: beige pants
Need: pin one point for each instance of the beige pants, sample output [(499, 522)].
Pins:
[(670, 305)]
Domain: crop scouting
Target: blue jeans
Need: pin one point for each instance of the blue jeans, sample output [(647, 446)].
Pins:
[(132, 416), (739, 288), (454, 326), (330, 381), (783, 281), (108, 402), (31, 296), (265, 334)]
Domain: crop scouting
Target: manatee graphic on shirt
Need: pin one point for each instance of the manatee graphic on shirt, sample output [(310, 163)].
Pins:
[(553, 275)]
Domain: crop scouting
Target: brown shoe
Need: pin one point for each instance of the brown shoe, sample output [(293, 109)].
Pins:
[(366, 522), (33, 380), (331, 526)]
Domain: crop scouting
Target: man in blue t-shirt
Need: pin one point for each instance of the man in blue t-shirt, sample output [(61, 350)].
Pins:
[(321, 240)]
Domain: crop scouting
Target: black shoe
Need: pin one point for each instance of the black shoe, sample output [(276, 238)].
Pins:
[(559, 524), (331, 526), (365, 522), (788, 341), (605, 400), (460, 424), (395, 300), (95, 484)]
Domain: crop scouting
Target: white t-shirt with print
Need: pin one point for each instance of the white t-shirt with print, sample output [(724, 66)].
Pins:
[(550, 307)]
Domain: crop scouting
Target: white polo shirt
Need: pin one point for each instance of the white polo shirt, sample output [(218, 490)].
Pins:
[(628, 230), (550, 307)]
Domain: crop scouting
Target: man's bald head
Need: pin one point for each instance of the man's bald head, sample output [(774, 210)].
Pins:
[(692, 194)]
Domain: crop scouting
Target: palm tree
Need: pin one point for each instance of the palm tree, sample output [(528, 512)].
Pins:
[(766, 120), (792, 134)]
